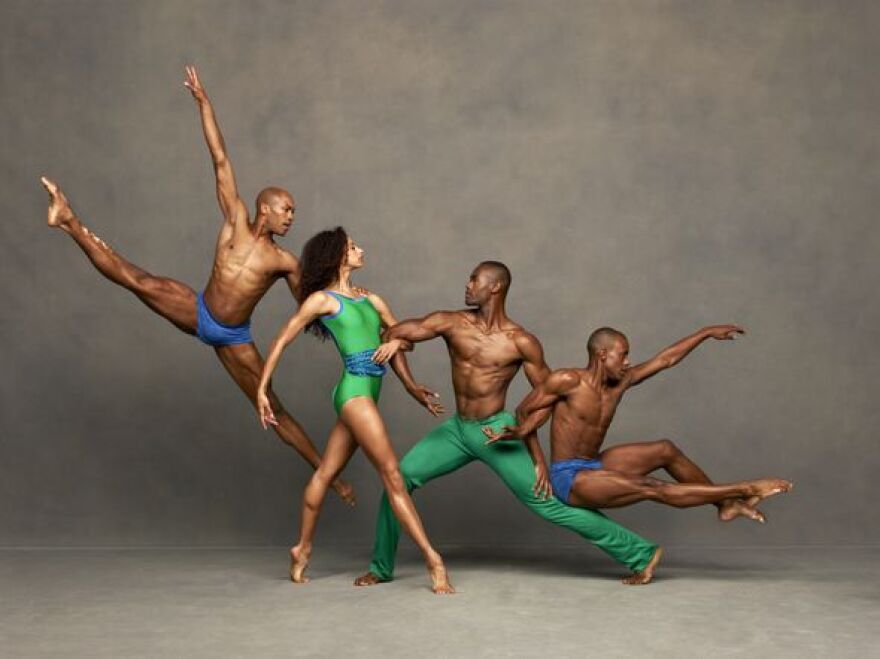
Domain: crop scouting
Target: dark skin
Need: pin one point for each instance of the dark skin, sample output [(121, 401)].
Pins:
[(584, 401), (486, 350), (247, 261)]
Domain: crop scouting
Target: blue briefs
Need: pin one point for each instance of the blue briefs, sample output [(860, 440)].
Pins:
[(562, 475), (214, 333)]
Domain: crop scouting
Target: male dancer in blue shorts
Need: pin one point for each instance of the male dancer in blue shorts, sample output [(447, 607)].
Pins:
[(247, 261), (487, 349), (583, 402)]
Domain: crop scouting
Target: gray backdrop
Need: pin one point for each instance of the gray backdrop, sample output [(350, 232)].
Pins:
[(656, 166)]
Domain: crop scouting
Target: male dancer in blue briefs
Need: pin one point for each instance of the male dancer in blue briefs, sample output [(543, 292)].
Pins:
[(487, 349), (247, 261), (583, 403)]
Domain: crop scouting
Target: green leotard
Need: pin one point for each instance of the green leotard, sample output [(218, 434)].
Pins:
[(355, 329)]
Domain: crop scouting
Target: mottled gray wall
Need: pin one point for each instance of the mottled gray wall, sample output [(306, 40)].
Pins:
[(656, 166)]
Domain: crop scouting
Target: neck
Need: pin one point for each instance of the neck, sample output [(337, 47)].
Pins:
[(343, 280), (596, 375), (492, 313), (259, 228)]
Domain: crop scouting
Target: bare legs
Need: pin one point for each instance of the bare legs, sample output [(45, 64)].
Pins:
[(361, 425), (176, 302), (612, 489), (640, 459)]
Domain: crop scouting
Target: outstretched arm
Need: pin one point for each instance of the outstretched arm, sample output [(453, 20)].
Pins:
[(399, 364), (227, 191), (672, 355), (317, 304)]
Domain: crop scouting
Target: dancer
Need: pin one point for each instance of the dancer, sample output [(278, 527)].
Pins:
[(584, 401), (247, 261), (486, 350), (353, 317)]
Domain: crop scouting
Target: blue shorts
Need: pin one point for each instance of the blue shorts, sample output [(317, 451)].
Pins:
[(562, 475), (214, 333)]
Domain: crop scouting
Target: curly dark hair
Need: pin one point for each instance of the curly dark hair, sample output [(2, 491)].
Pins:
[(322, 256)]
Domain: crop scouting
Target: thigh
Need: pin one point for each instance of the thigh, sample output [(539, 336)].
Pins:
[(362, 419), (340, 447), (638, 458), (602, 488), (171, 299), (245, 364), (436, 454)]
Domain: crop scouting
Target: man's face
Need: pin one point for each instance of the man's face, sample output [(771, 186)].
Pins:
[(615, 359), (479, 288), (354, 255), (279, 215)]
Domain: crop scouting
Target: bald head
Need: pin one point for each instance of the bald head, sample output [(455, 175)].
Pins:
[(603, 338), (272, 196), (499, 273)]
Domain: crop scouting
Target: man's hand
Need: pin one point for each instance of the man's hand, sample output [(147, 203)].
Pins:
[(386, 351), (725, 332), (542, 487), (264, 410), (507, 432), (430, 399), (193, 84)]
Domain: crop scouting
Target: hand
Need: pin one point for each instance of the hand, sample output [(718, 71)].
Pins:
[(193, 84), (264, 410), (430, 399), (386, 351), (345, 491), (507, 432), (542, 487), (725, 332)]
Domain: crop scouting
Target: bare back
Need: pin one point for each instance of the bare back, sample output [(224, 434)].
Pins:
[(582, 416), (483, 362)]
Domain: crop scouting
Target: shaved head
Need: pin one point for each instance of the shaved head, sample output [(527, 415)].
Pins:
[(271, 195), (604, 337), (498, 271)]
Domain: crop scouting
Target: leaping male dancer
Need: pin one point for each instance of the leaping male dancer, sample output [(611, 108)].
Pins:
[(584, 400), (247, 261), (487, 349)]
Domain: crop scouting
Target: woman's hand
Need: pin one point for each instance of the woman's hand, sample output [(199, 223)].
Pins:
[(264, 410), (386, 351)]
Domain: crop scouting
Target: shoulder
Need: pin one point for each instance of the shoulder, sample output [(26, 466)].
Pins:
[(526, 342), (563, 380), (320, 303), (288, 262)]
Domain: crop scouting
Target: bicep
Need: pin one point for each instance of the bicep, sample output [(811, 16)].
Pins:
[(534, 366), (641, 372), (422, 329)]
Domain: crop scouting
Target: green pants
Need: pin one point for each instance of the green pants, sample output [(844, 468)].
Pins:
[(455, 443)]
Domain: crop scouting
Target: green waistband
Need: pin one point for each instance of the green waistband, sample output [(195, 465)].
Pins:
[(482, 422)]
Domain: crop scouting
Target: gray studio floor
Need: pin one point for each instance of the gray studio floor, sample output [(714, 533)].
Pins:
[(707, 602)]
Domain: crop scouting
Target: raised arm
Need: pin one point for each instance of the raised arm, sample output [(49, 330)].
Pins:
[(669, 357), (227, 191), (399, 364), (316, 305)]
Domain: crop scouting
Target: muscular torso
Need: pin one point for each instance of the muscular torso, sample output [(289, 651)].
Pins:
[(581, 419), (244, 268), (483, 364)]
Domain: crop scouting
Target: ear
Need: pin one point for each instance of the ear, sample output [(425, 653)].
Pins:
[(264, 209), (603, 354)]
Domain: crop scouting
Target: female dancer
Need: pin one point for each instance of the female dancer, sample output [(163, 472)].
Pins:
[(332, 307)]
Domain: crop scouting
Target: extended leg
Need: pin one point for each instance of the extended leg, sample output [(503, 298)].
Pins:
[(171, 299), (436, 454), (512, 463), (641, 458), (245, 364), (361, 417), (611, 489)]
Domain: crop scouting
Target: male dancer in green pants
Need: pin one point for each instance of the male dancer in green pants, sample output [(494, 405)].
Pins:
[(487, 349)]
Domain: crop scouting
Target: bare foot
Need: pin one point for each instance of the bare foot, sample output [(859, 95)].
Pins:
[(439, 580), (299, 561), (345, 491), (768, 487), (369, 579), (734, 508), (60, 213), (645, 576)]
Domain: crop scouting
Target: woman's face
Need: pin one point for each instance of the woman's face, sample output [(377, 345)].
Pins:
[(354, 255)]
